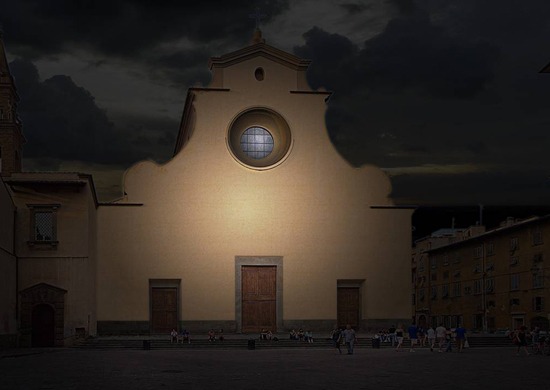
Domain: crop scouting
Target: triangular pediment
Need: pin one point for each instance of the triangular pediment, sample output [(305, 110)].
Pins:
[(259, 49), (43, 286)]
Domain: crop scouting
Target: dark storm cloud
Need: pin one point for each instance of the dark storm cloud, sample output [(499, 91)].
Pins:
[(440, 86), (417, 149), (183, 67), (405, 7), (124, 28), (494, 188), (414, 53), (508, 22), (332, 56), (385, 79), (410, 53), (62, 121), (355, 8), (445, 82)]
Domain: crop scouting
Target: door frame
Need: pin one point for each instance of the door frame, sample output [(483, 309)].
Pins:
[(352, 283), (38, 294), (276, 261), (164, 283)]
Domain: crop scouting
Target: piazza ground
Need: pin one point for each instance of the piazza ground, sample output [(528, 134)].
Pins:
[(69, 368)]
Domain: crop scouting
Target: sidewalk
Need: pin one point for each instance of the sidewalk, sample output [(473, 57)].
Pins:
[(297, 369)]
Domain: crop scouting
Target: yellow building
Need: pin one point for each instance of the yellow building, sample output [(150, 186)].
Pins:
[(256, 222), (486, 280)]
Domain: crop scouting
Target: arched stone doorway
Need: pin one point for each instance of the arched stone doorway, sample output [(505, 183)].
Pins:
[(43, 326), (42, 316)]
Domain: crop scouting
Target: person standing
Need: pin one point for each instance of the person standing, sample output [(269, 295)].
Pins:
[(448, 340), (349, 338), (399, 336), (440, 334), (460, 337), (537, 345), (522, 340), (336, 336), (413, 335), (431, 337), (391, 332), (421, 336)]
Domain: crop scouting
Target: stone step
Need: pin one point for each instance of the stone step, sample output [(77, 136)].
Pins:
[(243, 343)]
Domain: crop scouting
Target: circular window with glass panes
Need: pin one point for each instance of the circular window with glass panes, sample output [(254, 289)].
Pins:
[(259, 138), (257, 142)]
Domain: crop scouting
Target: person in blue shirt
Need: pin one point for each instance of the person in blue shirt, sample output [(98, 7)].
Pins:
[(460, 334), (413, 335)]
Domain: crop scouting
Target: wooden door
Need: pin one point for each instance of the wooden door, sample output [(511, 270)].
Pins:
[(259, 298), (164, 309), (43, 326), (348, 306)]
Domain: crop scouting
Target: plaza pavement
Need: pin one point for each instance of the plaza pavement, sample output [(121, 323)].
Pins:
[(367, 368)]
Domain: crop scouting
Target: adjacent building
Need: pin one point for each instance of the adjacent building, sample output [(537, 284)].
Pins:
[(486, 280)]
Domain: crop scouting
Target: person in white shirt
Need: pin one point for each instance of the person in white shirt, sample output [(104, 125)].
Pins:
[(431, 337), (440, 332)]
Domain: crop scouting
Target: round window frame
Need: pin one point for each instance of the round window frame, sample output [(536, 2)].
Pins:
[(271, 121)]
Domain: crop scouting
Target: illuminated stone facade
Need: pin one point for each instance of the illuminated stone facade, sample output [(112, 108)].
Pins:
[(194, 221), (256, 222)]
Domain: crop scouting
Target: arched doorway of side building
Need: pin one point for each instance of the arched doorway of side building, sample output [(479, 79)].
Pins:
[(42, 316)]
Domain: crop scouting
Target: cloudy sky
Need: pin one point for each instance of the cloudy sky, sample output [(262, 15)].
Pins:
[(446, 96)]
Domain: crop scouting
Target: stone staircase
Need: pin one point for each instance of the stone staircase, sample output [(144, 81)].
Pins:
[(242, 342)]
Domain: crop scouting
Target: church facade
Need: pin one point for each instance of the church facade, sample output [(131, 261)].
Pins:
[(256, 222)]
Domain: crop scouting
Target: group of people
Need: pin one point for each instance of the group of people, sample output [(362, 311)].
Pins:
[(301, 335), (539, 342), (266, 334), (213, 336), (441, 337), (346, 335), (183, 336)]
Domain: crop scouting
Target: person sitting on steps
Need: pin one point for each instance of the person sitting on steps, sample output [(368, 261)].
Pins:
[(184, 336), (211, 335)]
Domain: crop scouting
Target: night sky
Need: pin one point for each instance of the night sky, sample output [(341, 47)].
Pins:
[(446, 96)]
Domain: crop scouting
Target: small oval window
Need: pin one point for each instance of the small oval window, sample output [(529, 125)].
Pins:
[(259, 74)]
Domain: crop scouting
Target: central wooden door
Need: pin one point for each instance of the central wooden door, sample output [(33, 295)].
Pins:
[(164, 309), (348, 306), (259, 298)]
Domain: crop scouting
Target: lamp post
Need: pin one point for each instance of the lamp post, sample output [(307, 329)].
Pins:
[(483, 288)]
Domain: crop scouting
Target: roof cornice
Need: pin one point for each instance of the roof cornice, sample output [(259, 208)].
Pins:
[(259, 49)]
